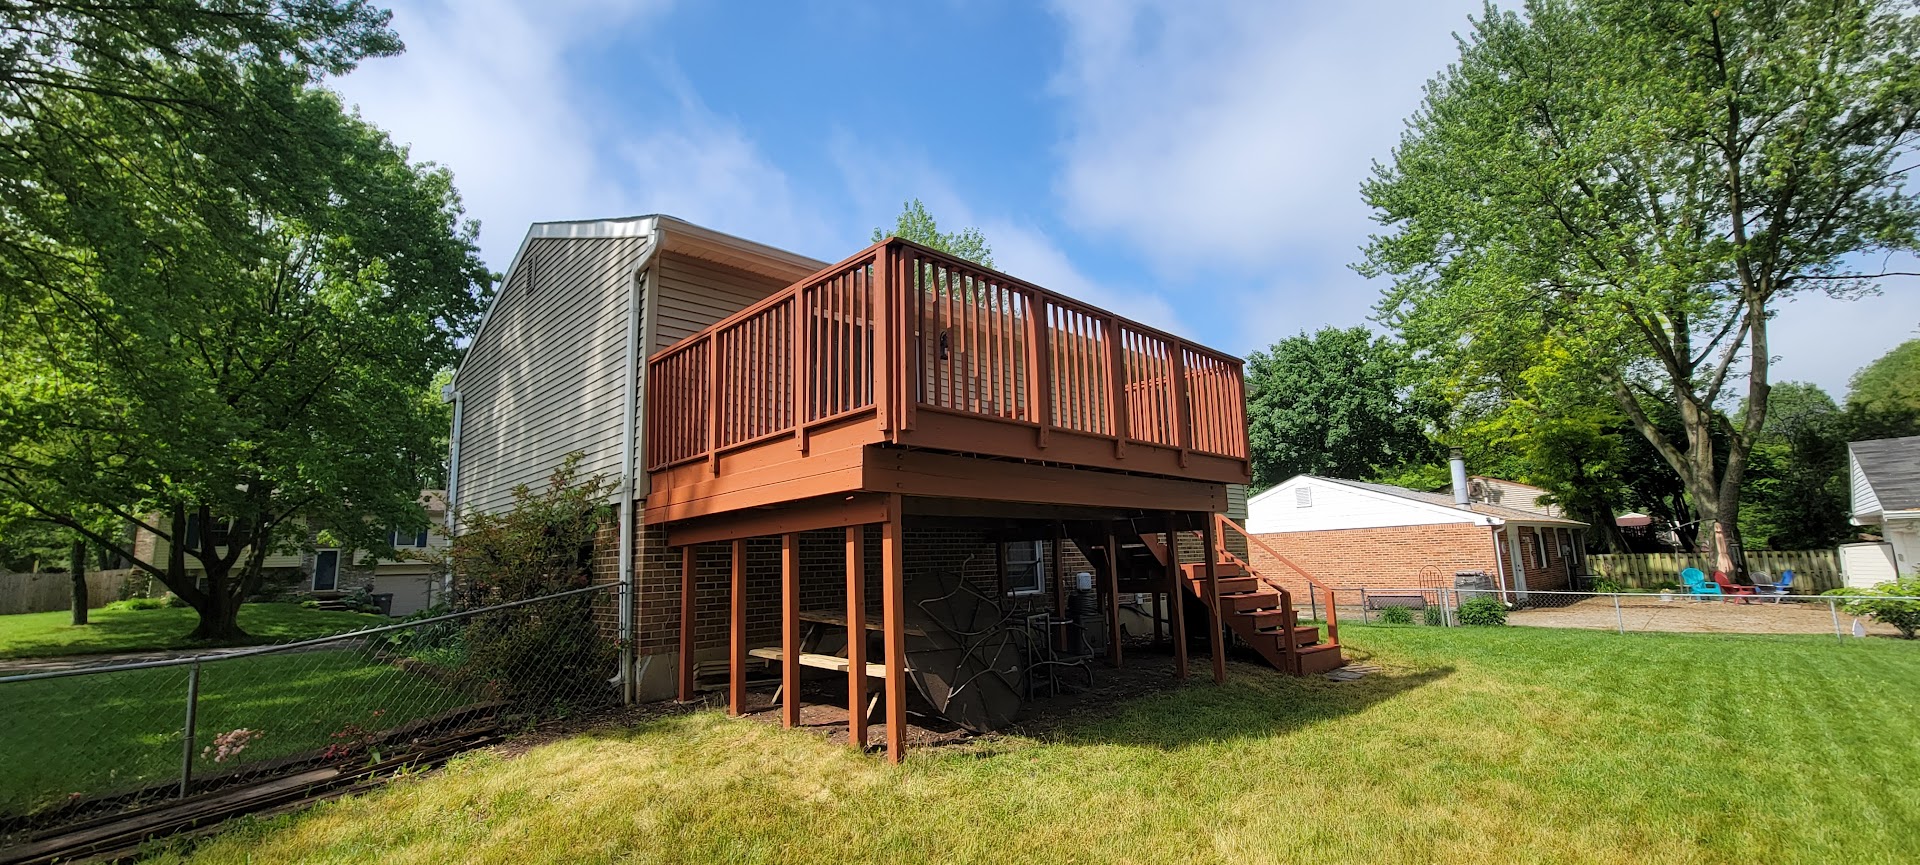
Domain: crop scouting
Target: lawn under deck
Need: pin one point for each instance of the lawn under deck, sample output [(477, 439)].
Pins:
[(1473, 745)]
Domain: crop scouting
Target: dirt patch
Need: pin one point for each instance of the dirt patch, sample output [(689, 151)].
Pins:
[(1689, 616)]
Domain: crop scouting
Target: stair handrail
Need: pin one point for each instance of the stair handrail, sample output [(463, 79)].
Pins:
[(1287, 618), (1223, 525)]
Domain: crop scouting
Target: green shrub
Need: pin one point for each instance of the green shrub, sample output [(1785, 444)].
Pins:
[(1606, 585), (140, 604), (309, 604), (1889, 604), (360, 600), (1434, 616), (1396, 616), (1483, 611), (176, 602)]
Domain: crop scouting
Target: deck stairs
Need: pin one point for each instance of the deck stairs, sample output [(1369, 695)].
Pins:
[(1258, 610)]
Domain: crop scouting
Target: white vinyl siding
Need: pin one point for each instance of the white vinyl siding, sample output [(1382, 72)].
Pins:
[(1336, 506), (545, 376), (1237, 503), (1865, 504), (694, 294)]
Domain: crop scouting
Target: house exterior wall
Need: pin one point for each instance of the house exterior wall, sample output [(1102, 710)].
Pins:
[(1378, 557), (545, 376), (1333, 506), (1865, 503)]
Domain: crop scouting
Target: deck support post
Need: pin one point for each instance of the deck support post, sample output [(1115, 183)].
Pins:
[(1216, 639), (1057, 567), (1177, 616), (893, 604), (687, 623), (857, 637), (737, 634), (790, 629), (1113, 598)]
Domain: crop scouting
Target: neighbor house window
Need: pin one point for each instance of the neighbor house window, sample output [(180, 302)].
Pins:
[(1303, 497), (222, 529), (1026, 567), (403, 538), (326, 570), (1539, 550)]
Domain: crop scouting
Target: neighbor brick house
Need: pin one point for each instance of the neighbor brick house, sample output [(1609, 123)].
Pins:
[(795, 442), (1353, 535)]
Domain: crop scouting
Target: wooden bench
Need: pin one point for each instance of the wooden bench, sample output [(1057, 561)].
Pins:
[(1411, 602), (819, 661)]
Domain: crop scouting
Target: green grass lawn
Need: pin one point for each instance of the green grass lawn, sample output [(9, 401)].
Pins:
[(114, 732), (1474, 745), (39, 635)]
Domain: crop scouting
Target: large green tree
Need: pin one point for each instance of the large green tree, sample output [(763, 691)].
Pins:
[(917, 225), (1645, 181), (1332, 403), (1891, 382), (223, 294)]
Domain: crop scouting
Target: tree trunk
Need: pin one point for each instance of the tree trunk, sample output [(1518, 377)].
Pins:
[(79, 565), (219, 616)]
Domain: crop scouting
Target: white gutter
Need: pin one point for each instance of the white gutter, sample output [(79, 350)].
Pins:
[(628, 434)]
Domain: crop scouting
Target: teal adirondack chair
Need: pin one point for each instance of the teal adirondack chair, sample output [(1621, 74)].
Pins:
[(1698, 584)]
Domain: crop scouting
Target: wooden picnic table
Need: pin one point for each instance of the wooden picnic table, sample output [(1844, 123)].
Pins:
[(840, 619)]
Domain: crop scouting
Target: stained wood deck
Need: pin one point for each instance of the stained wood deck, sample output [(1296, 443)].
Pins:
[(877, 373)]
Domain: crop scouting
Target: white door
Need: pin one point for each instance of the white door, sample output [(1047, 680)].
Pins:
[(1865, 565), (1516, 565)]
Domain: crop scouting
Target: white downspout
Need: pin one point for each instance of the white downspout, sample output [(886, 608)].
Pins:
[(629, 690)]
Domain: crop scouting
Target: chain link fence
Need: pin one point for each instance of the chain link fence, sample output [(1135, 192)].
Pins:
[(76, 744), (1673, 611)]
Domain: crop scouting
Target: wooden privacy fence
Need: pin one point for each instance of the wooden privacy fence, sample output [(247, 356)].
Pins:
[(1814, 571), (44, 593)]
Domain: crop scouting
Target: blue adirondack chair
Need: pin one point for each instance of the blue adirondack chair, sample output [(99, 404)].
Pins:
[(1776, 590), (1698, 584)]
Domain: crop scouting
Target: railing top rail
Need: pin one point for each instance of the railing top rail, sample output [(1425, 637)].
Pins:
[(226, 655), (1061, 299), (855, 260)]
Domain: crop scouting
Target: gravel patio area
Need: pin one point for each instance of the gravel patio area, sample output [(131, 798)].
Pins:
[(1683, 615)]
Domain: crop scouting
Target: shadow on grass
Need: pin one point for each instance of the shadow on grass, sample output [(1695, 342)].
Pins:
[(1256, 702)]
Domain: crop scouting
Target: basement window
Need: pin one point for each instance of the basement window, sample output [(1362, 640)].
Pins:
[(1303, 497), (1026, 567)]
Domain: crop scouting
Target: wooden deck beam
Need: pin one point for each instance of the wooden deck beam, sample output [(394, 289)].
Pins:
[(936, 475), (1113, 598), (790, 630), (829, 512), (893, 604)]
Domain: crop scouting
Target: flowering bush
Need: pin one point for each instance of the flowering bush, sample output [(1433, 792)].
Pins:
[(230, 744), (1889, 604)]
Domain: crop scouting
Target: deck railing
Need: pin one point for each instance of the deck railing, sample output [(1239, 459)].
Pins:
[(899, 328)]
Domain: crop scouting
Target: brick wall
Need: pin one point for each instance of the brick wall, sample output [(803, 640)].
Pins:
[(1390, 557), (1553, 577)]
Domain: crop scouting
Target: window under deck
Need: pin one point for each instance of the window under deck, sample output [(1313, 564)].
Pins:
[(902, 361)]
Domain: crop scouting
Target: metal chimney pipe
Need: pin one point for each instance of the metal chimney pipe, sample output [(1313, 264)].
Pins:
[(1457, 465)]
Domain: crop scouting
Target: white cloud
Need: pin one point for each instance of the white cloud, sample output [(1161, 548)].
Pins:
[(1230, 133), (494, 90)]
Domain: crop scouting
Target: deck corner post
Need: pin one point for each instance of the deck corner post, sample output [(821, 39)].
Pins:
[(1176, 592), (790, 629), (737, 636), (1113, 598), (857, 637), (894, 637), (1215, 638)]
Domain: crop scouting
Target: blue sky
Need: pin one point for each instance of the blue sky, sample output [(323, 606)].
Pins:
[(1190, 163)]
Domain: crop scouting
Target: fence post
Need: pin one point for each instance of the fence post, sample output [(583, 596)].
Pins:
[(1834, 608), (1363, 607), (1618, 621), (187, 730)]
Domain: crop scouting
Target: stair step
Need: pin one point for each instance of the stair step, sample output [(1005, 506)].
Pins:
[(1271, 618), (1229, 585), (1320, 658), (1246, 603), (1198, 570)]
